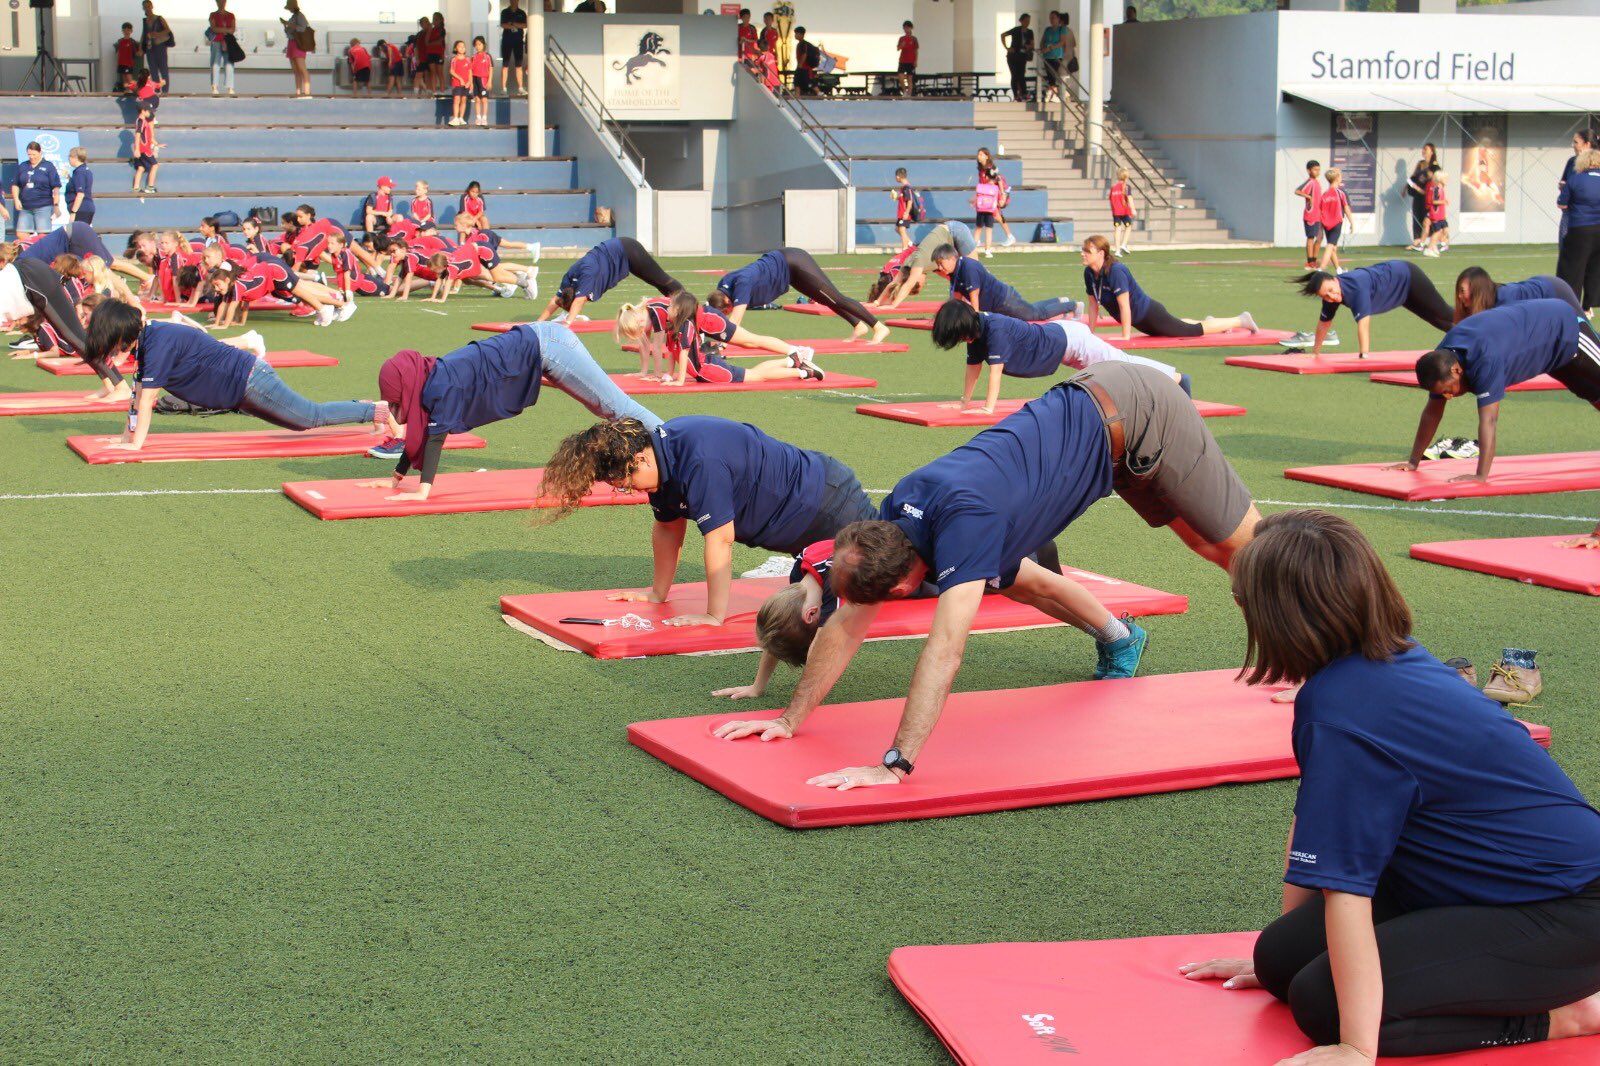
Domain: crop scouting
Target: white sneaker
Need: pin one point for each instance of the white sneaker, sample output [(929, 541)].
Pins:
[(325, 315), (505, 291), (1431, 253), (561, 316), (347, 312), (535, 250), (530, 284), (775, 566), (1247, 320), (1298, 340), (1010, 240), (988, 253), (580, 318), (803, 358)]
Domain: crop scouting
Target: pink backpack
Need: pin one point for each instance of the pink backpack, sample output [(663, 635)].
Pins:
[(987, 197)]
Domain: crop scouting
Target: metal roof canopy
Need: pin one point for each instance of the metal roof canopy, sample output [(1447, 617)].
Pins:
[(1456, 98)]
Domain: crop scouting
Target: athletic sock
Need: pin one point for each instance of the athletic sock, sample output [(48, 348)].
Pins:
[(1110, 633)]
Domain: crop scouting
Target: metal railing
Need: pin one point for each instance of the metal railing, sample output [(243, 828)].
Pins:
[(1069, 114), (567, 73), (832, 150)]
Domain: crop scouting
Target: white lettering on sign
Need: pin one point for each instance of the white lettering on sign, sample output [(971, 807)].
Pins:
[(1393, 66)]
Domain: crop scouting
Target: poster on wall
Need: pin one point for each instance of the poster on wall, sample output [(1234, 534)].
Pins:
[(1482, 179), (642, 68), (1354, 151)]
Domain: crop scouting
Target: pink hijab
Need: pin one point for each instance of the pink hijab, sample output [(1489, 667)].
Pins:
[(400, 383)]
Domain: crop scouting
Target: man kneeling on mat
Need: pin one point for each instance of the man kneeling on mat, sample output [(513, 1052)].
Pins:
[(968, 520)]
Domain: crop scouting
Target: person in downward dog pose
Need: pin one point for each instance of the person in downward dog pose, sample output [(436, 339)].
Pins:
[(765, 281), (1110, 285), (602, 269), (968, 519), (1368, 291), (482, 382), (1477, 291), (691, 337), (913, 272), (735, 482), (1018, 349), (1441, 888)]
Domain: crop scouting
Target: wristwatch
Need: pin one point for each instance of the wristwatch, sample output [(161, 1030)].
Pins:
[(893, 760)]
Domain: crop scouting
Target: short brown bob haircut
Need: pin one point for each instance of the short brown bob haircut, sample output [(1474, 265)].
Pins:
[(781, 629), (869, 559), (1312, 590)]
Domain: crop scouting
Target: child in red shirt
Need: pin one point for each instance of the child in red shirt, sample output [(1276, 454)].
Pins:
[(908, 59), (769, 33), (127, 49), (1438, 200), (1311, 193), (360, 68), (482, 74), (460, 84), (421, 206), (1335, 211), (144, 150), (147, 91), (1121, 214)]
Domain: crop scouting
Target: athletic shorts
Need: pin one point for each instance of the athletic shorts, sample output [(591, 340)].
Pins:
[(148, 162), (397, 70), (123, 74), (479, 86), (460, 90), (361, 77), (1438, 225), (1330, 234), (1173, 469), (512, 51), (983, 220), (433, 60), (907, 68), (714, 370), (1122, 220), (1313, 230), (1581, 374)]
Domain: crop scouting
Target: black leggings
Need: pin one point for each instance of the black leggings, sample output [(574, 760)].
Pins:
[(1419, 218), (1581, 374), (806, 277), (1579, 263), (1424, 301), (1159, 322), (1454, 978), (643, 265), (43, 286)]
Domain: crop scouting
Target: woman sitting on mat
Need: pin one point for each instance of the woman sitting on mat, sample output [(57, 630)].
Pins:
[(764, 282), (971, 282), (1110, 285), (31, 291), (486, 381), (1024, 349), (1442, 886), (691, 337), (202, 371), (1367, 291), (1477, 291), (602, 269), (735, 482)]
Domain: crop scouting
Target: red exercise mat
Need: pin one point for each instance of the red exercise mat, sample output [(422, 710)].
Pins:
[(1348, 363), (541, 613), (1234, 338), (594, 325), (459, 493), (1123, 1003), (55, 403), (910, 307), (1542, 383), (823, 346), (635, 386), (267, 444), (927, 323), (996, 751), (939, 414), (268, 304), (1534, 560), (72, 366), (1511, 475)]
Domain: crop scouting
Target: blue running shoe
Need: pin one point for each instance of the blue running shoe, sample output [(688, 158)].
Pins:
[(1120, 658), (391, 448)]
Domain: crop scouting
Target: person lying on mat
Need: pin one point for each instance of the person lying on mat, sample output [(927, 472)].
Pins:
[(1025, 349), (970, 281), (602, 269), (893, 273), (30, 291), (969, 519), (1110, 286), (485, 381), (691, 336), (1371, 290), (764, 282), (1495, 349), (1477, 291), (206, 373), (1442, 884), (735, 482), (915, 270)]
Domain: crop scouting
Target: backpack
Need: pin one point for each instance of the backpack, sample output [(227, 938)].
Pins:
[(267, 216), (1045, 232), (918, 210), (1005, 190), (229, 219), (987, 197)]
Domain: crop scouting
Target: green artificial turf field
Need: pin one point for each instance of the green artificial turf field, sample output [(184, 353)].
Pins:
[(284, 789)]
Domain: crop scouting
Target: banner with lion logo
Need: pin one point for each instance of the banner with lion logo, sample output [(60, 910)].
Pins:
[(642, 68)]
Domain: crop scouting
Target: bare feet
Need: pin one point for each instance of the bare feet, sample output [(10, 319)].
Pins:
[(859, 332), (1576, 1019), (879, 332)]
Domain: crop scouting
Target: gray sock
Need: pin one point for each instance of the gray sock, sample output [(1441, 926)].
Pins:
[(1109, 633)]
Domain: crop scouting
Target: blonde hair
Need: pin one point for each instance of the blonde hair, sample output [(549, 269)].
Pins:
[(80, 155), (8, 252), (1334, 174), (1588, 159), (781, 629), (1122, 175), (633, 322), (1440, 176), (422, 185), (177, 238)]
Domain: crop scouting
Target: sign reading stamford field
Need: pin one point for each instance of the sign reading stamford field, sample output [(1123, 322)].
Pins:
[(643, 67), (1377, 49)]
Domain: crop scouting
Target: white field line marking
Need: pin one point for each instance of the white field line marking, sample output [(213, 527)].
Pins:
[(1431, 510), (431, 311), (141, 492)]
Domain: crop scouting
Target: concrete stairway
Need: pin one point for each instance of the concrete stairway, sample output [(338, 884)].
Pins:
[(1031, 136)]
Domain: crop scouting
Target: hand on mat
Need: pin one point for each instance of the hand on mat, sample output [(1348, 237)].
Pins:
[(1470, 477), (407, 497), (1329, 1055), (769, 728), (123, 445), (1588, 540), (634, 597), (1407, 465), (855, 777), (740, 692), (378, 483), (692, 620), (1233, 973)]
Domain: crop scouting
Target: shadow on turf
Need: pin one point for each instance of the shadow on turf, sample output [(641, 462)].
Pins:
[(509, 570)]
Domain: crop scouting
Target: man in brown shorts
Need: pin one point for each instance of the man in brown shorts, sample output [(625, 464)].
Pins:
[(956, 234), (969, 519)]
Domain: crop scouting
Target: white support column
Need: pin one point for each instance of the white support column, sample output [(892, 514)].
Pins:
[(536, 111), (1097, 75)]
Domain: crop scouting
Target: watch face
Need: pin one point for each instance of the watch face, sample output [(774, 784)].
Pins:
[(891, 757)]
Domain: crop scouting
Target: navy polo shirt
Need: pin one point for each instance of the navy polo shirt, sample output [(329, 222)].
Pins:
[(193, 366), (1499, 347), (1104, 289), (1413, 781), (993, 294), (976, 513), (758, 283), (1539, 287), (601, 269), (714, 471), (78, 238), (485, 381), (81, 180), (1582, 197), (1372, 290), (36, 185), (1025, 349)]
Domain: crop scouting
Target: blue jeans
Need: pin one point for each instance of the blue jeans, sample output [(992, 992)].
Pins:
[(570, 368), (221, 66), (269, 398), (961, 237), (34, 219)]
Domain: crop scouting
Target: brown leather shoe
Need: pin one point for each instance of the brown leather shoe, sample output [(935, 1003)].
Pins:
[(1515, 678), (1464, 667)]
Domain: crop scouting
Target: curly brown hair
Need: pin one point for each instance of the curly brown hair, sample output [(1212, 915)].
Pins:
[(605, 451)]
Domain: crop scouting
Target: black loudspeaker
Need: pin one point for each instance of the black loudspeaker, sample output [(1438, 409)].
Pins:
[(42, 3)]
